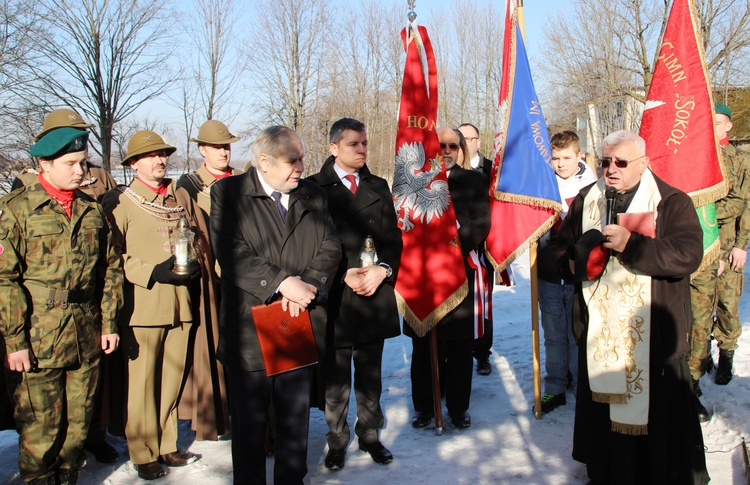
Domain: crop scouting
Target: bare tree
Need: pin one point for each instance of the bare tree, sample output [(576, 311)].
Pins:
[(604, 55), (104, 58), (292, 39)]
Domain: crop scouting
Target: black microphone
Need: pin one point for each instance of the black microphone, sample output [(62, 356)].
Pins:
[(610, 193)]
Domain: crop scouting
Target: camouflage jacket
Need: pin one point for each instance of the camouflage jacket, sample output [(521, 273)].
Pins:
[(97, 182), (42, 250), (732, 210)]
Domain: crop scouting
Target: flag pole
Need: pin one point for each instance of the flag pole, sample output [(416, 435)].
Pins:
[(436, 399), (534, 280)]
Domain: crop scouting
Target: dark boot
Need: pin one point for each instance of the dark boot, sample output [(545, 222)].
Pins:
[(704, 415), (724, 369), (68, 476)]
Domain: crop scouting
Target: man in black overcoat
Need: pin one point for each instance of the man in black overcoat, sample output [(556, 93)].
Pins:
[(468, 190), (274, 239), (362, 309)]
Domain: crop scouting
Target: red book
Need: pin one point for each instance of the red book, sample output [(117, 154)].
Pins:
[(286, 342), (640, 222)]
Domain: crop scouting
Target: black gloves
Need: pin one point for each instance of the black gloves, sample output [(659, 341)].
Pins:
[(163, 273)]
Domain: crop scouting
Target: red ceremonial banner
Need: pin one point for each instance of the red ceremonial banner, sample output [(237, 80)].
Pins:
[(431, 278), (678, 122)]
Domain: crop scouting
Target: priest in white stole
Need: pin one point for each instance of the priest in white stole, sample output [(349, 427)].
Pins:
[(636, 420)]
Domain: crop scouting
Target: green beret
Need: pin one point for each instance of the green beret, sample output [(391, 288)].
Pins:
[(59, 142), (723, 109)]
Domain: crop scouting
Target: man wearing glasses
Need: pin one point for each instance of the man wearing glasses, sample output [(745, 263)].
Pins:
[(455, 331), (480, 163), (634, 394)]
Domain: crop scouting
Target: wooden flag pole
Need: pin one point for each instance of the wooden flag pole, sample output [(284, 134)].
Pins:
[(535, 353), (436, 400)]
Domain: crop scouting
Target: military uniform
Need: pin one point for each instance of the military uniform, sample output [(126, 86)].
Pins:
[(97, 182), (703, 305), (734, 232), (60, 290), (156, 319), (198, 185)]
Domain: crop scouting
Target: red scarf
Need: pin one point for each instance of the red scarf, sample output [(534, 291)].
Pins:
[(63, 197), (161, 189), (223, 175)]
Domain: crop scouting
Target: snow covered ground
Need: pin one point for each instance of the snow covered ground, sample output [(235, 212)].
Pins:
[(504, 445)]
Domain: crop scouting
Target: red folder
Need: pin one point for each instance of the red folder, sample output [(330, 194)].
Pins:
[(640, 222), (287, 343)]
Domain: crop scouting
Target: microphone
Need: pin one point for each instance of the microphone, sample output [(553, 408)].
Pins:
[(610, 193)]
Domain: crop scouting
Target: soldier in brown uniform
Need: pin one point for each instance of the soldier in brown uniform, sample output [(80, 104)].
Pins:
[(96, 181), (158, 312), (60, 291), (204, 397)]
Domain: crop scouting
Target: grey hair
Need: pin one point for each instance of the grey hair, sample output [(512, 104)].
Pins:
[(272, 141), (619, 136)]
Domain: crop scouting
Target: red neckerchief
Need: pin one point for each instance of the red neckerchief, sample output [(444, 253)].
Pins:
[(724, 141), (63, 197), (160, 190), (224, 175)]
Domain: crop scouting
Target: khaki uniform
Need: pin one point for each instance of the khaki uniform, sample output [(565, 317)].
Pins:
[(97, 182), (703, 306), (204, 398), (60, 290), (198, 185), (156, 318), (734, 232)]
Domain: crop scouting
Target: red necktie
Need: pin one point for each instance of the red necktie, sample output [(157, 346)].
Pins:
[(353, 180)]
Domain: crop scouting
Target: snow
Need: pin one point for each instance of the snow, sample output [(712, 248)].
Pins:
[(505, 443)]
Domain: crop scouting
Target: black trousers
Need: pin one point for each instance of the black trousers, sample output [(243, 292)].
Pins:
[(456, 369), (368, 385), (249, 399)]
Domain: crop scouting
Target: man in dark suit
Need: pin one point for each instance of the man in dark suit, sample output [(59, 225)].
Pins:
[(362, 309), (480, 163), (468, 190), (274, 239)]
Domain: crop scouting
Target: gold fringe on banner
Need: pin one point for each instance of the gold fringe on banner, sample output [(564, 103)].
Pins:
[(523, 247), (710, 256), (421, 327), (710, 194)]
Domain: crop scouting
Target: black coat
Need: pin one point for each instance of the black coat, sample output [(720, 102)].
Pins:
[(356, 319), (257, 251), (468, 189)]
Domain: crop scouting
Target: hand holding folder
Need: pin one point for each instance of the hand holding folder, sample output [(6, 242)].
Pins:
[(287, 343)]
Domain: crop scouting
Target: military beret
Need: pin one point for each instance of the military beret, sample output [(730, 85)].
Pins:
[(59, 142), (214, 132), (723, 109)]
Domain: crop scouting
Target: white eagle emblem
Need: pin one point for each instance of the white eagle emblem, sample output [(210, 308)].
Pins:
[(416, 194)]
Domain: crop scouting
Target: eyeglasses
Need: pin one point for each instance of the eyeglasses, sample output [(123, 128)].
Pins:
[(605, 162), (452, 146), (471, 138)]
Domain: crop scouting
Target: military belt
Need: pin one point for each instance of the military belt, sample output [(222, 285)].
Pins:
[(64, 297)]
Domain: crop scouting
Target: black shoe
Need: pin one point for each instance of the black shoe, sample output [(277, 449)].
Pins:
[(150, 471), (420, 419), (461, 420), (551, 401), (704, 415), (377, 451), (102, 451), (724, 369), (67, 476), (335, 458), (483, 366)]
